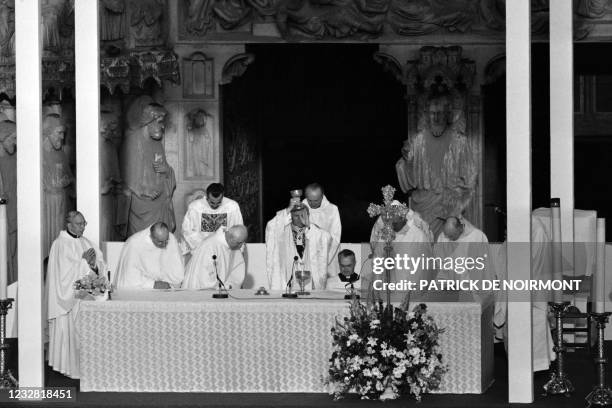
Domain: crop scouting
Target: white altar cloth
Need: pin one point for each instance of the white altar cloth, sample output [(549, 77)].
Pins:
[(185, 341)]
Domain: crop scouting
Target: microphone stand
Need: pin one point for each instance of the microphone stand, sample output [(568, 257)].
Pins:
[(222, 293), (288, 293)]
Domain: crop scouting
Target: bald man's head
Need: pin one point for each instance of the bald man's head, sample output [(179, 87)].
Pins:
[(160, 234), (236, 236), (314, 195), (453, 228)]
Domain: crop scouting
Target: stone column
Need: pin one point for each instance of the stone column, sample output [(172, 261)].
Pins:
[(87, 80), (28, 47), (518, 170), (562, 117)]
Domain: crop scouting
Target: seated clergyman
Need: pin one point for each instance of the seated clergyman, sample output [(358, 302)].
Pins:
[(206, 215), (219, 254), (296, 243), (150, 259), (347, 275), (72, 256)]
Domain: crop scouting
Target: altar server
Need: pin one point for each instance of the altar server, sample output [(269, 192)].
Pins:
[(72, 256), (293, 243), (206, 215), (218, 254), (150, 259)]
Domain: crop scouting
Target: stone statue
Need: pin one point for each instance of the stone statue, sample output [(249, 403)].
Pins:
[(199, 17), (7, 29), (146, 21), (149, 179), (8, 190), (57, 179), (438, 166), (109, 175), (199, 144), (112, 20), (51, 12)]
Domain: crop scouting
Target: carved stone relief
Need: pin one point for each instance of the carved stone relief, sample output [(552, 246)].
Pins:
[(199, 145), (440, 163)]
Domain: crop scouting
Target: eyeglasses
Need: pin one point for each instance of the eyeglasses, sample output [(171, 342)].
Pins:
[(80, 224)]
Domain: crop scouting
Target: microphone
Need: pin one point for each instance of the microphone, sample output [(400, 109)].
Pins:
[(288, 293), (220, 294)]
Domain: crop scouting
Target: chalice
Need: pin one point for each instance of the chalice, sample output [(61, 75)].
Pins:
[(302, 277)]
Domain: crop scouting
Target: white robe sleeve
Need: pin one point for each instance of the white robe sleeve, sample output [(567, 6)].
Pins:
[(235, 216), (130, 271), (237, 272), (64, 268), (274, 229), (173, 270), (191, 229), (335, 229), (200, 271)]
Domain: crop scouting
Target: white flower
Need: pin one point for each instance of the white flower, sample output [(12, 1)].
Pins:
[(379, 386), (414, 351), (400, 355), (367, 373), (376, 373), (398, 372), (414, 325), (355, 337), (372, 341), (409, 338), (383, 345), (374, 323), (370, 350)]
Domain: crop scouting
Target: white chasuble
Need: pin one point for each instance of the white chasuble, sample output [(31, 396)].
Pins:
[(200, 272), (281, 252), (327, 217), (66, 266), (202, 221), (141, 263)]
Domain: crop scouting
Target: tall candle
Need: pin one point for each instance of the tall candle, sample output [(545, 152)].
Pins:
[(3, 249), (598, 288), (557, 255)]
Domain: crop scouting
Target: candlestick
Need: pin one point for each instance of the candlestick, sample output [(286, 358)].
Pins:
[(601, 394), (557, 254), (558, 383), (3, 249), (7, 380), (598, 287)]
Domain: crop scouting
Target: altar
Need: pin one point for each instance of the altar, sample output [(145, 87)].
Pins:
[(186, 341)]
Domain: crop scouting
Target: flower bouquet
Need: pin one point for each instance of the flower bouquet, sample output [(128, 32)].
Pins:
[(92, 285), (383, 353)]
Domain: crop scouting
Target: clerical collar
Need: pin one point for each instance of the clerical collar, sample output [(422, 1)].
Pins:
[(71, 234)]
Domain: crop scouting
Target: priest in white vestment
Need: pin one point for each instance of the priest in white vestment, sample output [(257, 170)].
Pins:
[(467, 249), (326, 216), (294, 243), (218, 254), (541, 269), (413, 238), (72, 257), (150, 259), (206, 215)]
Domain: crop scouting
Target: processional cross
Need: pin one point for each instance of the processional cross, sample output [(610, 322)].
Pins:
[(389, 211)]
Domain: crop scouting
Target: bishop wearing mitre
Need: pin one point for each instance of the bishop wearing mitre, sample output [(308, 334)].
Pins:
[(150, 259), (295, 242), (218, 255), (72, 256)]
